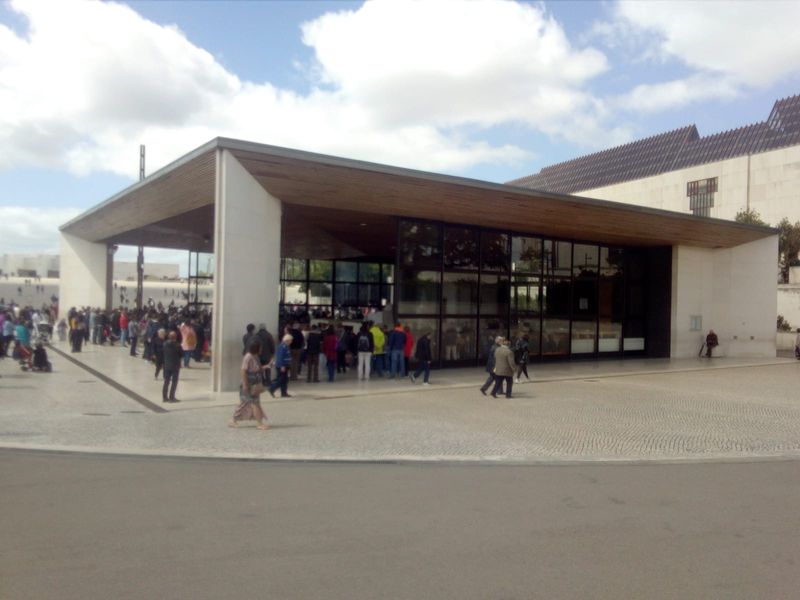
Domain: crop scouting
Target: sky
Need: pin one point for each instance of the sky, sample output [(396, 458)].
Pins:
[(488, 89)]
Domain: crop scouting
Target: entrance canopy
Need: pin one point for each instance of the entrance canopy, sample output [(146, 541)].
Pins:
[(341, 208)]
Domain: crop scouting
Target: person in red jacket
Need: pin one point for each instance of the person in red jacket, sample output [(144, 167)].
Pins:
[(408, 347), (123, 328)]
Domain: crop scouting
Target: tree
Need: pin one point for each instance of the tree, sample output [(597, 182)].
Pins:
[(749, 216), (788, 246)]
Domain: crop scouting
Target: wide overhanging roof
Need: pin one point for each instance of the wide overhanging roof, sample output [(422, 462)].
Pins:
[(338, 206)]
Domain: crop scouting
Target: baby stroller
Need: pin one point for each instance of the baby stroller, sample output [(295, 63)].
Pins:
[(45, 331)]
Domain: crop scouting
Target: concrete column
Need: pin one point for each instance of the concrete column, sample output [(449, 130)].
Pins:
[(733, 291), (84, 274), (247, 250)]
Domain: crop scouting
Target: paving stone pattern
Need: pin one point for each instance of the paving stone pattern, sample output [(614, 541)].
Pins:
[(700, 413)]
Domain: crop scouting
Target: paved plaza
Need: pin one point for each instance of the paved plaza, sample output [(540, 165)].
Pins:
[(634, 410)]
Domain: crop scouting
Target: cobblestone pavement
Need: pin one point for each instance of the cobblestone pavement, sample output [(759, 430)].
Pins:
[(680, 414)]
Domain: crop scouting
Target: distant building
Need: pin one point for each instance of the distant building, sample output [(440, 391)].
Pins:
[(29, 265), (48, 265), (754, 167)]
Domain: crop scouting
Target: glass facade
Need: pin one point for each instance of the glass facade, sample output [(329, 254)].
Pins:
[(332, 289), (467, 285)]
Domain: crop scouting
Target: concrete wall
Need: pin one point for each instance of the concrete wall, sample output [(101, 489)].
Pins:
[(771, 181), (247, 244), (85, 278), (733, 291)]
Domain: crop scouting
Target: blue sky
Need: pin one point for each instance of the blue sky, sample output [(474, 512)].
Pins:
[(490, 89)]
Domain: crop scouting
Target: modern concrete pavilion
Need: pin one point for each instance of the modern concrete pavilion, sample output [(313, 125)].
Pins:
[(253, 205)]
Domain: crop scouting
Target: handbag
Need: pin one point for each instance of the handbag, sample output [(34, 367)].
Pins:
[(256, 383)]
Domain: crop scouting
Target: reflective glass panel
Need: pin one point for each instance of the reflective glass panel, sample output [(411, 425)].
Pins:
[(418, 327), (460, 294), (488, 330), (418, 292), (346, 270), (611, 261), (634, 266), (293, 292), (494, 295), (555, 295), (387, 273), (369, 294), (526, 295), (527, 325), (584, 297), (635, 304), (369, 272), (495, 251), (557, 258), (460, 248), (610, 298), (555, 337), (610, 335), (320, 270), (584, 337), (320, 293), (585, 259), (526, 255), (346, 294), (294, 268), (458, 339), (420, 244)]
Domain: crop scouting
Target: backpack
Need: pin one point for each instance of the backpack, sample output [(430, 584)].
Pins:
[(363, 343)]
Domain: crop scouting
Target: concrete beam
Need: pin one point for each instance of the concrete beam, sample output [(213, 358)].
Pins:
[(85, 274), (247, 239)]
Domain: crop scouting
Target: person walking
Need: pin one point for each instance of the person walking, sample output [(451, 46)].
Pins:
[(364, 345), (329, 349), (283, 362), (313, 350), (712, 341), (172, 367), (521, 349), (424, 358), (504, 368), (498, 341), (250, 389), (249, 332), (158, 350)]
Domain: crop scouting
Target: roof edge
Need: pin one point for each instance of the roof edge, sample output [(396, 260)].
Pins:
[(199, 151)]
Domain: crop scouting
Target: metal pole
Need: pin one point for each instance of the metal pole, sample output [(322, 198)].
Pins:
[(140, 255)]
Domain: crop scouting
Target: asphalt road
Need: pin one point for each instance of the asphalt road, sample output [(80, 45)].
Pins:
[(83, 527)]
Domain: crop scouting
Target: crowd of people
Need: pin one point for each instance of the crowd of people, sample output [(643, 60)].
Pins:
[(169, 337), (24, 330)]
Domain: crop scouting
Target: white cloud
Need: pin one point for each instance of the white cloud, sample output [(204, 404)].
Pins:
[(728, 46), (24, 229), (403, 82)]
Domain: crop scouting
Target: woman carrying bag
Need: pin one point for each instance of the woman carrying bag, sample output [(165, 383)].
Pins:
[(250, 389)]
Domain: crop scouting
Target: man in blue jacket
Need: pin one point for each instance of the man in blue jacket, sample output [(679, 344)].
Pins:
[(395, 346), (283, 362)]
